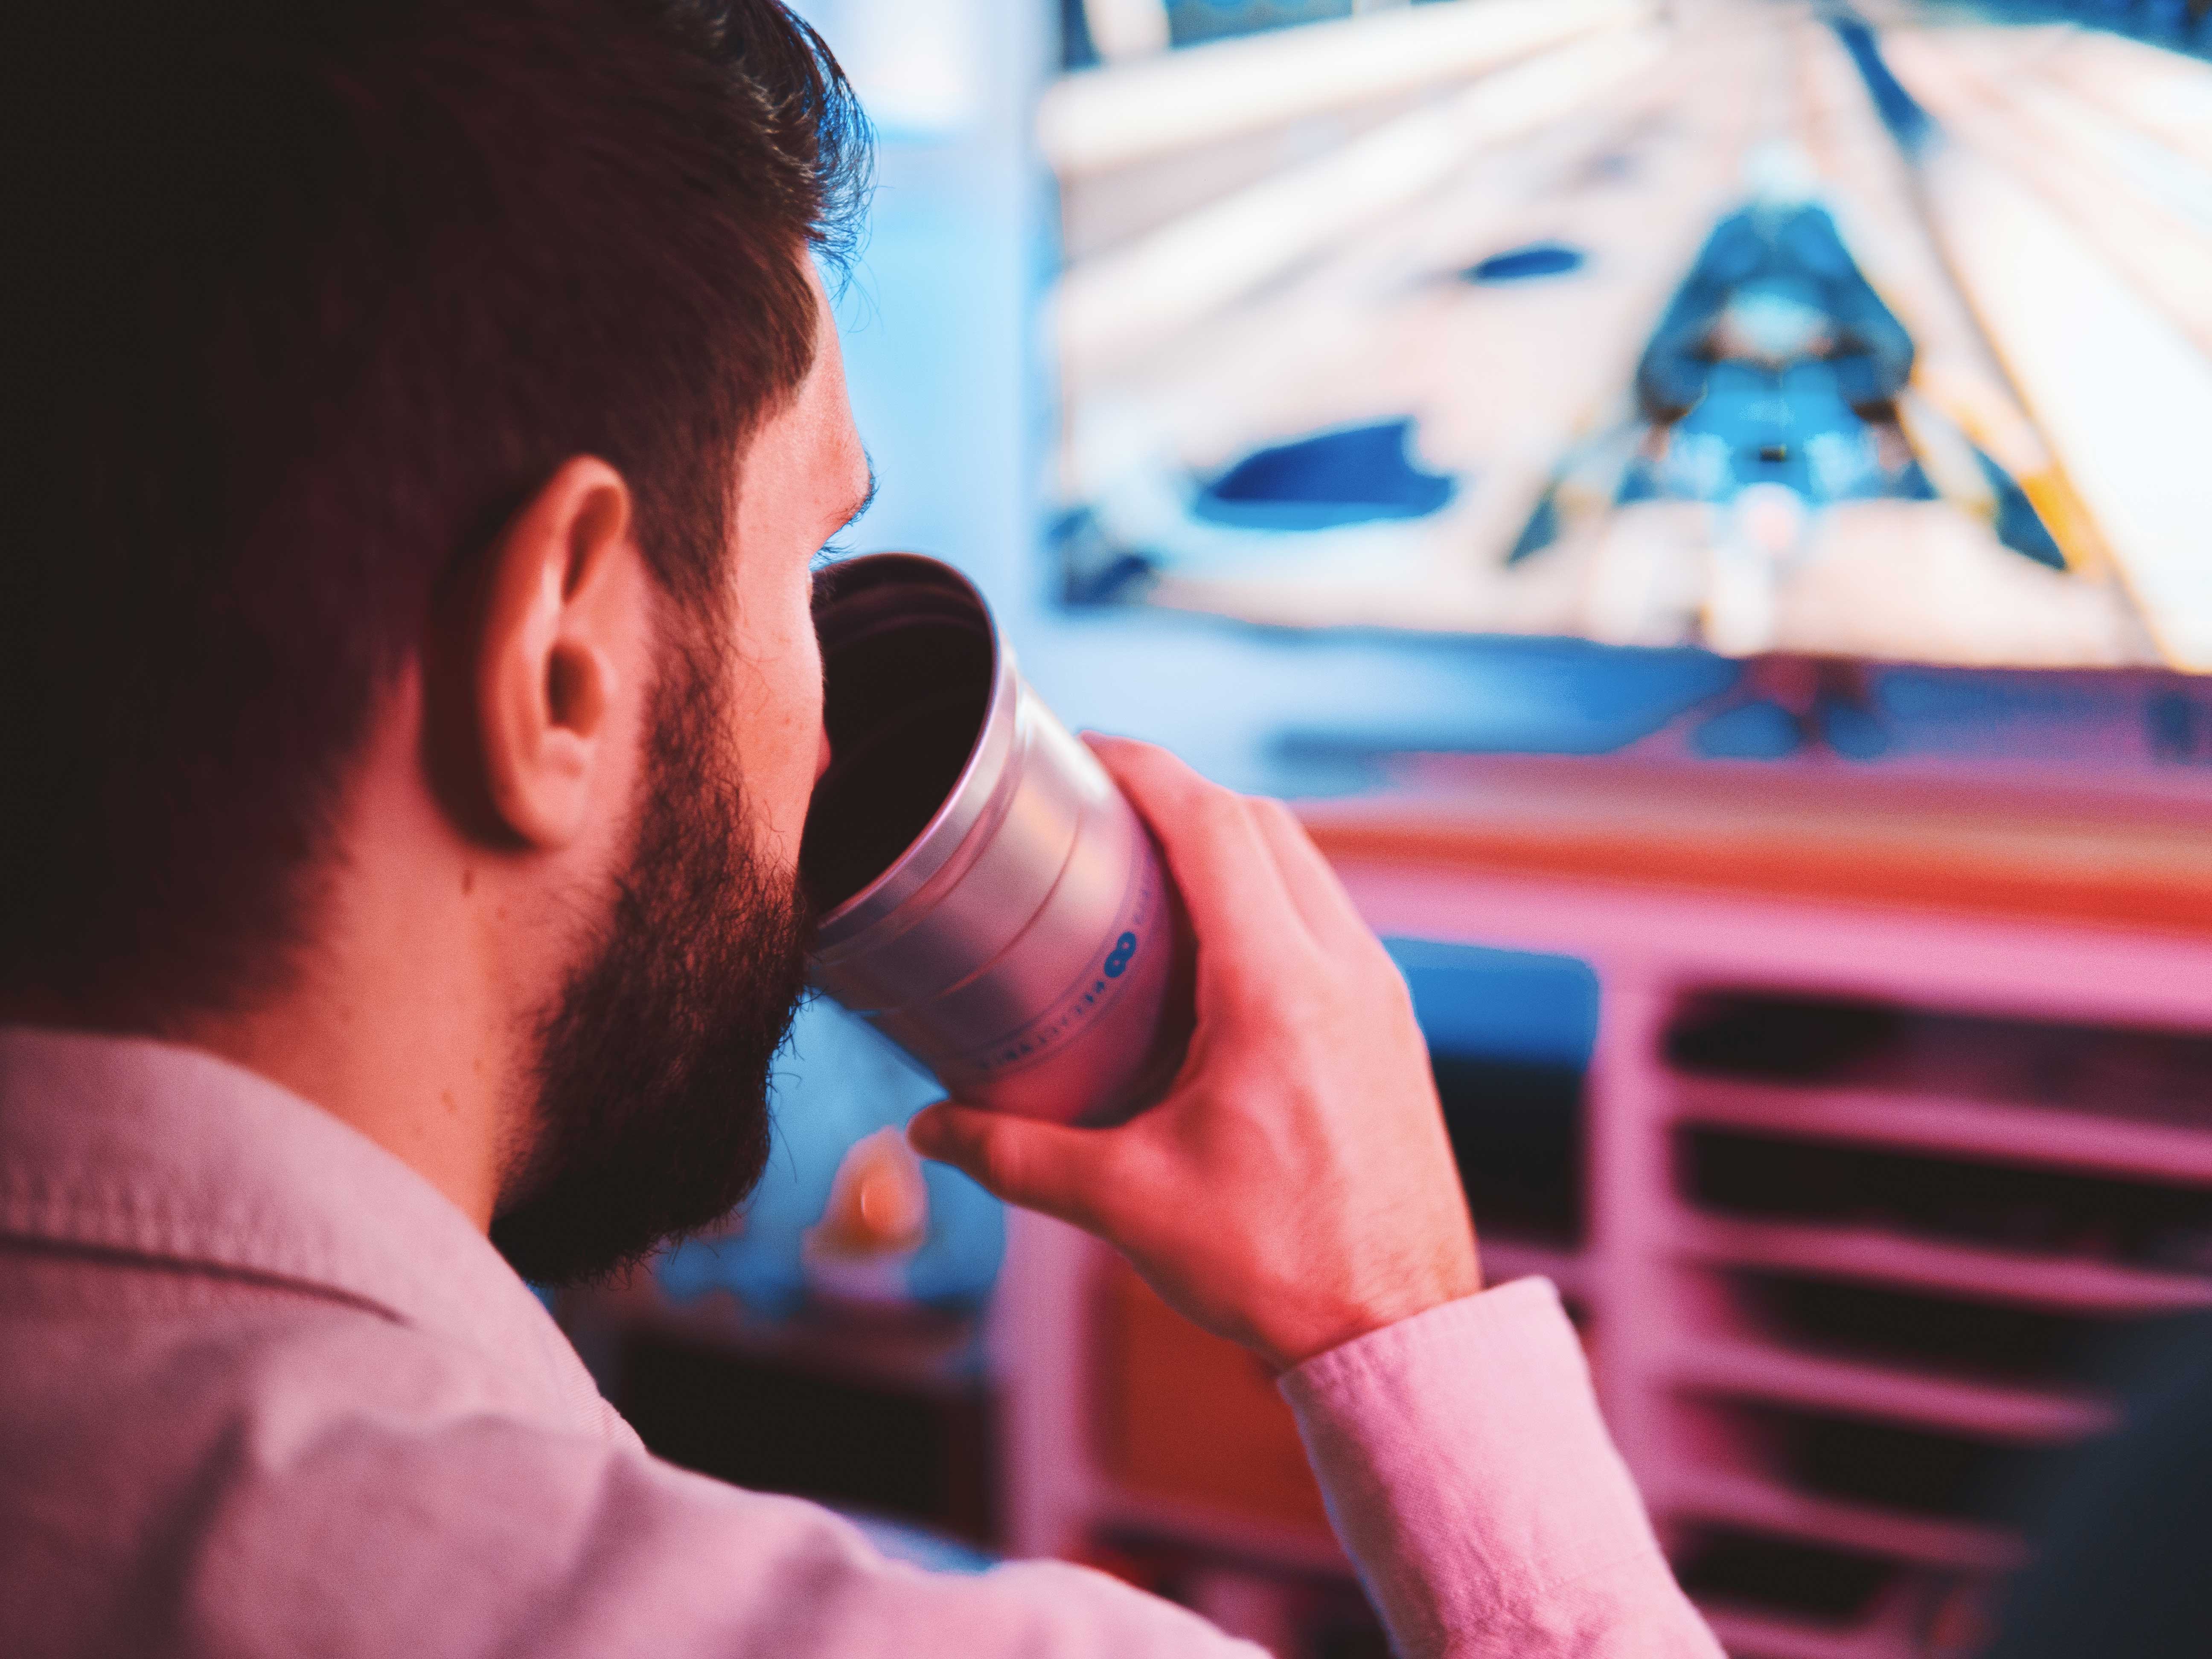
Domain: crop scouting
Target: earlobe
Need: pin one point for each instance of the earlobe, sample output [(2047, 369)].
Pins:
[(550, 650)]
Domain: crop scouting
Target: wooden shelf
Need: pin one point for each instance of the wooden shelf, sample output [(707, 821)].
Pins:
[(1749, 1635), (1915, 843), (1245, 1538), (1761, 1506), (1856, 1389), (1887, 1631), (1972, 917), (913, 1350), (1506, 1258), (1187, 1423), (2037, 1136), (1874, 1255)]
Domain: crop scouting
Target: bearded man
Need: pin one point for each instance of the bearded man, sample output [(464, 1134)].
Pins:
[(424, 418)]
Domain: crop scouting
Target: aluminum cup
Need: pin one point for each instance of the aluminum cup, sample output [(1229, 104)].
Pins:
[(986, 896)]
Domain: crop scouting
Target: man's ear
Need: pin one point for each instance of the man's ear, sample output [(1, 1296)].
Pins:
[(560, 620)]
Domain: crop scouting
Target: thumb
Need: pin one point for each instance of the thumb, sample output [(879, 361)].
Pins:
[(1026, 1161)]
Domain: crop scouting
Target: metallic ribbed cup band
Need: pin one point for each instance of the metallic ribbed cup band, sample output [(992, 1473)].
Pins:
[(986, 898)]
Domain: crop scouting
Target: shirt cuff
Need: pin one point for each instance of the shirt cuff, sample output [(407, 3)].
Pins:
[(1471, 1479)]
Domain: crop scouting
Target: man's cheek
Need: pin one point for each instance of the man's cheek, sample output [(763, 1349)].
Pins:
[(802, 684), (794, 728)]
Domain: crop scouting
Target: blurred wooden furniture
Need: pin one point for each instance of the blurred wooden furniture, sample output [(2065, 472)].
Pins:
[(1900, 1112), (1190, 1418), (885, 1411)]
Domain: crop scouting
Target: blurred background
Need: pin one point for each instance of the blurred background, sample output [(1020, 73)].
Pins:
[(1702, 504)]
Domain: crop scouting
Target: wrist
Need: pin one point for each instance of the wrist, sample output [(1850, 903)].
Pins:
[(1292, 1343)]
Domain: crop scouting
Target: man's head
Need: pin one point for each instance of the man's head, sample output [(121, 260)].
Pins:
[(427, 415)]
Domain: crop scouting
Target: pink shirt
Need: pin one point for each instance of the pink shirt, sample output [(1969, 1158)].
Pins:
[(263, 1390)]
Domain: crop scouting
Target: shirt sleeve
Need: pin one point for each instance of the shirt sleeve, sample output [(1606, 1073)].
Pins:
[(1471, 1478)]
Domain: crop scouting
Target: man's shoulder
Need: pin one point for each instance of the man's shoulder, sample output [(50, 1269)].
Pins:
[(259, 1449), (106, 1339), (247, 1470)]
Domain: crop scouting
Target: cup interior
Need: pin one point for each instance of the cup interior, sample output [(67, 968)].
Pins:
[(907, 673)]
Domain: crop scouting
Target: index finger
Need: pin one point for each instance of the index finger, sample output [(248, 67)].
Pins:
[(1313, 884), (1230, 885)]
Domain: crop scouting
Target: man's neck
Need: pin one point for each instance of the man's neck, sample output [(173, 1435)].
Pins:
[(406, 1018), (418, 1085)]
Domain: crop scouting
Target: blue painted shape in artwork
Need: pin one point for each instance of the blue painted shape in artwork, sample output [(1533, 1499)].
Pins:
[(1193, 22), (1912, 484), (1540, 532), (1522, 264), (1750, 731), (1093, 570), (1795, 407), (2018, 524), (2175, 727), (1639, 482), (2168, 23), (1516, 696), (1354, 474), (1901, 112), (1853, 732)]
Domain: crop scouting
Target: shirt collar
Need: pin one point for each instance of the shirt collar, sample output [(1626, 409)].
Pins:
[(128, 1144)]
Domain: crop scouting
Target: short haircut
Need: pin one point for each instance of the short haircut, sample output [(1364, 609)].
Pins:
[(305, 299)]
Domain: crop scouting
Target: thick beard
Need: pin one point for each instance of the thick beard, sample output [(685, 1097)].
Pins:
[(653, 1114)]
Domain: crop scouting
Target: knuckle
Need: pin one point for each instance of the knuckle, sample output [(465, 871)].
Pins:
[(999, 1164), (1132, 760), (1384, 975), (1258, 999), (1303, 1003), (1217, 812), (1148, 761), (1260, 1008), (1383, 992)]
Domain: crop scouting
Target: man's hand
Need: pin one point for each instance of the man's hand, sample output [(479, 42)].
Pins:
[(1295, 1189)]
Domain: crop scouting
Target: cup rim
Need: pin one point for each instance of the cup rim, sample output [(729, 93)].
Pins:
[(966, 803)]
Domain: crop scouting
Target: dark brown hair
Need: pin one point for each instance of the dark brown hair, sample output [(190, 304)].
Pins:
[(308, 297)]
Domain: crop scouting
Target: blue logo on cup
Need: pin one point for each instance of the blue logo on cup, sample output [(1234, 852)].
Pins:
[(1124, 948)]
